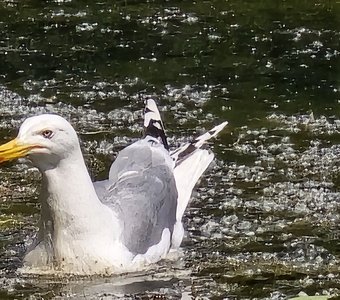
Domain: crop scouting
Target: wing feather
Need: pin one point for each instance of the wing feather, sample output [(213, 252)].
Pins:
[(142, 191)]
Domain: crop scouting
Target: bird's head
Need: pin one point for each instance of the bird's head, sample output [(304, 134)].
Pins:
[(43, 139)]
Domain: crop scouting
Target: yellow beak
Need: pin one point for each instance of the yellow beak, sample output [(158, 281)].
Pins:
[(13, 150)]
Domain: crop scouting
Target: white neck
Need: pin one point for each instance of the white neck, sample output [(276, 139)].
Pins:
[(71, 211), (77, 232), (69, 189)]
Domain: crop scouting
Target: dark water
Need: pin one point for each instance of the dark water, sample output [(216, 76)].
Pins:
[(264, 222)]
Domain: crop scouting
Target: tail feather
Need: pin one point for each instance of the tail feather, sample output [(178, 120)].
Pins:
[(153, 125)]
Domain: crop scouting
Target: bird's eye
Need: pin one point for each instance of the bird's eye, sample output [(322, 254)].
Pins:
[(47, 134)]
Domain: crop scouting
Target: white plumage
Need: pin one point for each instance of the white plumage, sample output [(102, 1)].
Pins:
[(117, 225)]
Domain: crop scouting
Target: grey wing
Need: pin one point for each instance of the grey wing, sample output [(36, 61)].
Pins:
[(102, 188), (142, 191)]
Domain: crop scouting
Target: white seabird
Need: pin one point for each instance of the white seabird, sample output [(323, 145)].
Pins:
[(132, 219)]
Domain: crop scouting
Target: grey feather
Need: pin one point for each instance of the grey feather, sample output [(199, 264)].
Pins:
[(101, 188), (142, 191)]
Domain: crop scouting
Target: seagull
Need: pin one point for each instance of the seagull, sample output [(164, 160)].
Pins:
[(130, 220)]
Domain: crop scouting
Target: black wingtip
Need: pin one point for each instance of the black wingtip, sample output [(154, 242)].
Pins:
[(153, 123)]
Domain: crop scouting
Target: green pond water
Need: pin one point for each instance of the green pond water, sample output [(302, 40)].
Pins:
[(264, 220)]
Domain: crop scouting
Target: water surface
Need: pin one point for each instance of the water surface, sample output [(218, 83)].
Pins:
[(264, 221)]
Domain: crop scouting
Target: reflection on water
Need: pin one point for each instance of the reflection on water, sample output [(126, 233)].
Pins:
[(128, 286), (264, 221)]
